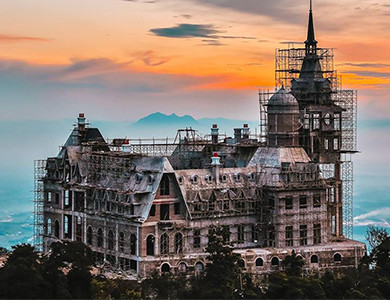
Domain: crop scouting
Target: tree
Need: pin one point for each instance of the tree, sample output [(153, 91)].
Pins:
[(21, 276), (222, 275), (293, 264), (375, 236)]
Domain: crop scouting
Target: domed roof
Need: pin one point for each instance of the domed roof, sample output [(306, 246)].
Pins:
[(282, 97)]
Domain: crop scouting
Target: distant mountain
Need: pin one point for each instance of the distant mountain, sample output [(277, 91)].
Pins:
[(161, 125), (161, 119)]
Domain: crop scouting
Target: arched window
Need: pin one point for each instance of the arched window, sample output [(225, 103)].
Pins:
[(165, 268), (275, 262), (164, 244), (110, 240), (89, 235), (337, 257), (199, 266), (48, 226), (314, 259), (133, 244), (164, 186), (57, 229), (150, 245), (241, 263), (259, 262), (178, 243), (100, 238), (121, 242), (182, 267)]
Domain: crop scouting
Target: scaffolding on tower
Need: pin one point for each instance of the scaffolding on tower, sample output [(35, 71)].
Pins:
[(288, 64)]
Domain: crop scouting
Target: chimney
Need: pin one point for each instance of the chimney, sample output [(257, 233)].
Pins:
[(214, 134), (215, 164), (126, 146), (237, 135), (245, 132), (81, 122)]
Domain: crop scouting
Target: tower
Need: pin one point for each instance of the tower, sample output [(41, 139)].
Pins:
[(327, 120)]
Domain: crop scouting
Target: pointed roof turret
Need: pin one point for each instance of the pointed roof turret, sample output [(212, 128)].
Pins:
[(311, 43)]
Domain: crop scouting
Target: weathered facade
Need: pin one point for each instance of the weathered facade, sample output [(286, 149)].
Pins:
[(146, 208)]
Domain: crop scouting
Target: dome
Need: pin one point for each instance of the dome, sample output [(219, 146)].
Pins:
[(282, 97)]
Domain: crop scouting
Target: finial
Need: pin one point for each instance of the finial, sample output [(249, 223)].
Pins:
[(311, 5)]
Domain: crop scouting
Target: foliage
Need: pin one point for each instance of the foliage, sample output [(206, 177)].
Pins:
[(104, 288), (375, 236)]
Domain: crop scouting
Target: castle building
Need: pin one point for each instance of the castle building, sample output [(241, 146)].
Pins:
[(145, 207)]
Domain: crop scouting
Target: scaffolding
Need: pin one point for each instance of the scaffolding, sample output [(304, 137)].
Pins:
[(288, 64), (39, 174)]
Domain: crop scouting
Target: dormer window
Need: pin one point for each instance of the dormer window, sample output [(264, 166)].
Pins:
[(150, 179), (224, 177), (208, 178), (138, 178), (194, 179), (181, 180), (251, 176), (237, 177)]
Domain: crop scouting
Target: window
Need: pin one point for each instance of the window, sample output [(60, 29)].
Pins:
[(177, 208), (223, 177), (326, 144), (226, 233), (89, 235), (164, 186), (303, 235), (133, 244), (199, 266), (275, 262), (178, 243), (181, 180), (67, 226), (79, 229), (316, 200), (316, 121), (66, 198), (314, 259), (165, 268), (196, 236), (285, 166), (48, 226), (49, 195), (241, 263), (121, 242), (182, 267), (336, 144), (316, 234), (240, 234), (57, 229), (288, 203), (237, 177), (100, 238), (164, 244), (289, 236), (333, 225), (164, 212), (57, 198), (110, 240), (337, 123), (150, 245), (208, 178), (259, 262), (337, 258), (255, 234), (194, 179), (302, 202), (138, 178), (152, 212)]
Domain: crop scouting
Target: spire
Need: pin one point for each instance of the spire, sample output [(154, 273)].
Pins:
[(311, 43)]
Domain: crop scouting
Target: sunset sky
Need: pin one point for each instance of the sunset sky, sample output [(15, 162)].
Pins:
[(121, 60)]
